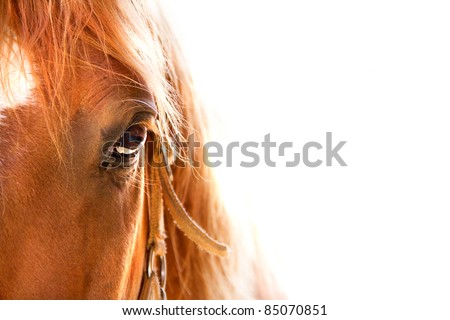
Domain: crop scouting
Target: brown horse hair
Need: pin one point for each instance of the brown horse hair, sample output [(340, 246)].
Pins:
[(58, 38)]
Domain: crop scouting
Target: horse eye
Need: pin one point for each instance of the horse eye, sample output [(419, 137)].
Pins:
[(131, 141), (124, 153)]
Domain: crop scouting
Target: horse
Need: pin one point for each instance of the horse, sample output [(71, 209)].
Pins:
[(96, 199)]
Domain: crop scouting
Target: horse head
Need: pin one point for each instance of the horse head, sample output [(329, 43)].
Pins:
[(95, 101)]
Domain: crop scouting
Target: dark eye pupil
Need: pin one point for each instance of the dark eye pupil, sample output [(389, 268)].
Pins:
[(133, 137), (131, 141), (125, 151)]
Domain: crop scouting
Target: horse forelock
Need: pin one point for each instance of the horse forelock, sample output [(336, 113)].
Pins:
[(45, 45)]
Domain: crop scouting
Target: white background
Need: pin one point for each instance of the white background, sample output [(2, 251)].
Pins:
[(370, 240)]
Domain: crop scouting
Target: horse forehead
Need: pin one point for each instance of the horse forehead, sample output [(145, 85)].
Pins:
[(17, 84)]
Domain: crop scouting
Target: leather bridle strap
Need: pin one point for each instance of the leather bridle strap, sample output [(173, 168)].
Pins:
[(153, 287), (160, 192)]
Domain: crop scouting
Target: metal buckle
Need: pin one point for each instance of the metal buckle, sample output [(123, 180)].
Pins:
[(162, 269)]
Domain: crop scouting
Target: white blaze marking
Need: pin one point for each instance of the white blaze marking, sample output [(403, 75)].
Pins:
[(17, 84)]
